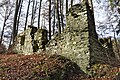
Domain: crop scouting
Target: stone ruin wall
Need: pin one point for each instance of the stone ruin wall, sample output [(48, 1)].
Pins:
[(23, 45), (73, 42), (31, 40), (78, 42)]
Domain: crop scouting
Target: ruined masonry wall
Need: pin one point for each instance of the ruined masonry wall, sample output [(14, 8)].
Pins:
[(31, 40), (23, 42), (79, 41), (74, 41)]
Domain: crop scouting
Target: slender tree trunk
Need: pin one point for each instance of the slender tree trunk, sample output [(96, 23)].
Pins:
[(71, 3), (91, 18), (54, 16), (58, 16), (3, 31), (39, 14), (15, 19), (28, 7), (66, 7), (61, 13), (33, 6), (5, 19), (19, 15), (49, 19), (34, 13)]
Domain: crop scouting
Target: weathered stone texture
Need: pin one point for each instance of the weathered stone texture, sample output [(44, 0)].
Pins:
[(23, 42), (79, 40), (31, 40), (40, 40)]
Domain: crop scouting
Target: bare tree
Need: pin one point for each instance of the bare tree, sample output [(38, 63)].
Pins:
[(33, 10), (28, 7), (61, 14), (58, 17), (19, 15), (4, 3), (14, 34), (71, 3), (54, 16), (49, 19), (8, 11), (4, 23), (39, 13), (66, 6)]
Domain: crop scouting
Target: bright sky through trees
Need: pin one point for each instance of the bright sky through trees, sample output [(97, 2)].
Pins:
[(98, 15), (99, 11)]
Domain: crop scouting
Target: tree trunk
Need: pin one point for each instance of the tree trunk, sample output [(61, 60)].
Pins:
[(5, 19), (19, 15), (61, 13), (49, 19), (71, 3), (66, 7), (27, 14), (15, 19), (58, 16), (92, 29), (54, 16), (39, 14), (33, 7)]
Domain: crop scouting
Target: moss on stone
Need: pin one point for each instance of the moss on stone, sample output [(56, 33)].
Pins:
[(22, 40), (35, 46), (79, 41), (31, 40)]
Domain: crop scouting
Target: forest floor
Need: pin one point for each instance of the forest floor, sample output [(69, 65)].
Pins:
[(54, 67)]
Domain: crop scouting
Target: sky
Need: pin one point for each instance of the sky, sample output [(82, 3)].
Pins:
[(99, 12), (75, 2), (101, 15)]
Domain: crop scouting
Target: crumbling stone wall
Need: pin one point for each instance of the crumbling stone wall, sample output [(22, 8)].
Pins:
[(31, 40), (23, 45), (79, 41), (40, 40)]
